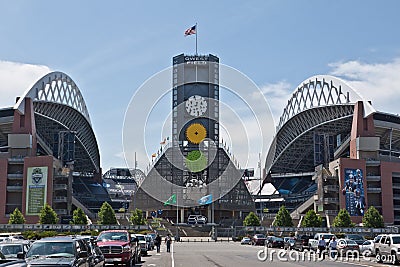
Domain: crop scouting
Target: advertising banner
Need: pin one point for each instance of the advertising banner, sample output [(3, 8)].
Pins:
[(36, 190), (353, 191)]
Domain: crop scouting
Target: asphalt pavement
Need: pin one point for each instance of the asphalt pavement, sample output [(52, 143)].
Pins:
[(204, 254)]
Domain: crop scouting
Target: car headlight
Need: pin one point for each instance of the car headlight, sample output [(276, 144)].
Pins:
[(126, 248)]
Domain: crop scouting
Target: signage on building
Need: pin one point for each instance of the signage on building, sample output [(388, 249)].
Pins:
[(36, 189), (353, 192)]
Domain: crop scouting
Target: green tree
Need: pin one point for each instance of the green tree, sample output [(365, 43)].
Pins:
[(372, 218), (251, 220), (343, 219), (16, 217), (137, 217), (283, 218), (106, 214), (79, 217), (48, 215), (311, 219)]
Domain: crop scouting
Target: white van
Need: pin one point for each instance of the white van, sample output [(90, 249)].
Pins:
[(197, 219)]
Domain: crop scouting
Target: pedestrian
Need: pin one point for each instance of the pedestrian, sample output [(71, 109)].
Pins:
[(321, 247), (333, 247), (168, 241), (158, 243)]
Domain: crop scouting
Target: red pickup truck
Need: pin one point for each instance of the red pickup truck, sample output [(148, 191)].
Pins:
[(118, 247)]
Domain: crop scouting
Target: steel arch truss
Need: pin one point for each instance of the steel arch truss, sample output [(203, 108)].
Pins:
[(87, 153), (58, 87), (315, 92), (292, 147), (59, 106)]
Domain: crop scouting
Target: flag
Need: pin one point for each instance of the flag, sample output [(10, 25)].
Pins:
[(170, 200), (205, 200), (154, 155), (190, 31), (163, 142)]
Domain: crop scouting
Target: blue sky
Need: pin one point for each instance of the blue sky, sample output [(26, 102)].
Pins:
[(110, 48)]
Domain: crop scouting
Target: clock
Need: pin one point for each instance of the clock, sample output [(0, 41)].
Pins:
[(196, 105), (196, 133)]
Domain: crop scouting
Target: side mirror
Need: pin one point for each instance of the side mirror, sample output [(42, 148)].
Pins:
[(21, 255), (83, 254)]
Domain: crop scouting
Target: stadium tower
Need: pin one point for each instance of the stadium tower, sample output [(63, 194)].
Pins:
[(194, 168)]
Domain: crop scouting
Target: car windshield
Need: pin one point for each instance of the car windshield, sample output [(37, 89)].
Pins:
[(278, 239), (140, 237), (10, 249), (260, 236), (355, 237), (51, 249), (113, 236), (396, 239)]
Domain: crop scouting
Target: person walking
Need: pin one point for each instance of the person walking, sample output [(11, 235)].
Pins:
[(321, 247), (168, 241), (333, 247), (157, 242)]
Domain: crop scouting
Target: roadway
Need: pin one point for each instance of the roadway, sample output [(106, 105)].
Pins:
[(219, 254)]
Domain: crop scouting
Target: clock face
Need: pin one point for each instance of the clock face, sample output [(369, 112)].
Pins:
[(196, 105)]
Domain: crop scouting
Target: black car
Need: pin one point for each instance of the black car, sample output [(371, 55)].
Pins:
[(301, 242), (359, 239), (274, 242), (52, 251)]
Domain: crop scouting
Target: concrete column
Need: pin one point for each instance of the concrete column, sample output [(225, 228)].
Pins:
[(183, 215)]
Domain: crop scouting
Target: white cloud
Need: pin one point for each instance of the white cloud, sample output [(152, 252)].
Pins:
[(277, 95), (379, 83), (16, 78)]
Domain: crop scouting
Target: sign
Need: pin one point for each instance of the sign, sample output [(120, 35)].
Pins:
[(36, 190), (353, 192)]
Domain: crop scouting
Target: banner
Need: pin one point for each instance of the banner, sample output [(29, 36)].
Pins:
[(353, 192), (36, 190)]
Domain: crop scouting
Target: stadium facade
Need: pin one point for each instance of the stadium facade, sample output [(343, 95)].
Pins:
[(332, 152), (49, 153), (193, 166)]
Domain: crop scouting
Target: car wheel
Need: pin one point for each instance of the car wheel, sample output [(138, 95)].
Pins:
[(395, 261), (378, 257)]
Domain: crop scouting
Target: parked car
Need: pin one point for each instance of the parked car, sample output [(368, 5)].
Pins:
[(10, 249), (389, 245), (347, 247), (369, 246), (274, 242), (142, 243), (258, 239), (288, 243), (197, 219), (358, 238), (313, 242), (245, 241), (57, 251), (301, 242), (118, 247)]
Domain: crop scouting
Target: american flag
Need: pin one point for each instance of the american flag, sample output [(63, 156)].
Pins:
[(190, 31)]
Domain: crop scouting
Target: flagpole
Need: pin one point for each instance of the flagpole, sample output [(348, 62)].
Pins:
[(196, 37)]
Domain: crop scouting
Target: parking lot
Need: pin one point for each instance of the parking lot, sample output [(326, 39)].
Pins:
[(204, 254)]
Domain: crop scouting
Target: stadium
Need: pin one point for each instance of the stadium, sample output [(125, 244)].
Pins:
[(332, 152), (49, 152)]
